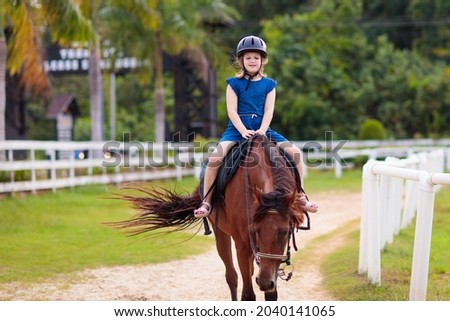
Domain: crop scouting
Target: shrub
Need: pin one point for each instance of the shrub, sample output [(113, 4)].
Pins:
[(371, 129), (360, 160)]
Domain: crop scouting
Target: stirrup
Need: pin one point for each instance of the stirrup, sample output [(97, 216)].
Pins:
[(307, 205), (203, 211)]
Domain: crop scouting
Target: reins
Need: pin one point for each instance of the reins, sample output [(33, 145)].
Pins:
[(248, 206)]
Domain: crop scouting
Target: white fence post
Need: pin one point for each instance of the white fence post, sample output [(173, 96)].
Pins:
[(362, 262), (337, 168), (33, 172), (53, 169), (447, 165), (374, 255), (370, 226), (422, 239), (11, 160), (384, 190), (305, 170), (391, 203), (396, 204)]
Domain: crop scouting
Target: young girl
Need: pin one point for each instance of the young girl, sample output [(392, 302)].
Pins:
[(250, 100)]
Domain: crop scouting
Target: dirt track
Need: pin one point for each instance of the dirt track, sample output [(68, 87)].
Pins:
[(200, 277)]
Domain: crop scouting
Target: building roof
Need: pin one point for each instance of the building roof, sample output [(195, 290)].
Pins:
[(62, 104)]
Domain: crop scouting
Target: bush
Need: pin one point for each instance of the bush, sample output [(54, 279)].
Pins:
[(360, 160), (371, 129)]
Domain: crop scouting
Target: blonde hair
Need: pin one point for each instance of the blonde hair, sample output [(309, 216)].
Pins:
[(239, 63)]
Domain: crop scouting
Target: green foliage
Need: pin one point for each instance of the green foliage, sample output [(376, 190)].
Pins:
[(336, 63), (330, 76), (372, 129), (40, 127), (396, 86), (317, 64), (135, 108), (360, 160), (434, 35), (82, 129), (21, 175), (203, 145)]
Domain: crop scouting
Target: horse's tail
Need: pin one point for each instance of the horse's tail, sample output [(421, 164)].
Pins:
[(158, 209)]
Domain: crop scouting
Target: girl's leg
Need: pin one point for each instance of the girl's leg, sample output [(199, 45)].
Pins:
[(214, 161), (296, 155)]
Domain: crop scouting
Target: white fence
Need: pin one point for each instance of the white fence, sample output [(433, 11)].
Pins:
[(43, 168), (52, 165), (333, 154), (393, 192)]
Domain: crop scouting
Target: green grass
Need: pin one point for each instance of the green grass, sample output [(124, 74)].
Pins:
[(324, 181), (340, 267), (63, 232)]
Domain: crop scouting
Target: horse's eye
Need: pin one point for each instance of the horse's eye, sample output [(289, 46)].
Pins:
[(283, 233)]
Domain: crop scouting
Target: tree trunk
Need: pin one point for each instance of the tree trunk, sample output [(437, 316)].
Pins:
[(96, 91), (160, 127), (2, 91)]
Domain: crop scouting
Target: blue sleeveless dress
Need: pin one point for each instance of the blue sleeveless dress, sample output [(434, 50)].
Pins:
[(251, 102)]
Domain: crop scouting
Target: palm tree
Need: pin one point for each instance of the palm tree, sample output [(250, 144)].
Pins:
[(90, 9), (27, 21), (149, 28)]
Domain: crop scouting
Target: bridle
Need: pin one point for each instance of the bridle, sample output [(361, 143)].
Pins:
[(285, 258)]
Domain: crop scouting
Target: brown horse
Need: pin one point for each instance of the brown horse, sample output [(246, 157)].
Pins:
[(255, 204)]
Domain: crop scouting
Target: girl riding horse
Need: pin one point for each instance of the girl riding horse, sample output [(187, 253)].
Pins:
[(250, 98)]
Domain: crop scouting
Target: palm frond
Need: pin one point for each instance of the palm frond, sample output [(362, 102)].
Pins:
[(25, 49), (66, 22)]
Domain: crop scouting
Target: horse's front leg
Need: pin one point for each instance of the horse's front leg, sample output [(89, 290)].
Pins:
[(271, 296), (223, 245), (245, 260)]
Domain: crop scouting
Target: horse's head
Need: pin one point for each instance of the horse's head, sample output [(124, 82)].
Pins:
[(271, 231)]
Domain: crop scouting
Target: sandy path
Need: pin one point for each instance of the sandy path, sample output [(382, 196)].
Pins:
[(200, 277)]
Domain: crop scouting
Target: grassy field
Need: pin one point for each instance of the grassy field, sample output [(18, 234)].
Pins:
[(58, 233), (340, 267), (62, 232)]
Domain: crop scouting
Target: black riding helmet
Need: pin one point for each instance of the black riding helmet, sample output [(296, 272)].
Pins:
[(251, 43)]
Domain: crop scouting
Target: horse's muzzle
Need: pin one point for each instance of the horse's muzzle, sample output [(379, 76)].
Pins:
[(268, 285)]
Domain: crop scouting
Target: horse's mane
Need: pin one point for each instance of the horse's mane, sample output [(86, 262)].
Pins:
[(286, 181)]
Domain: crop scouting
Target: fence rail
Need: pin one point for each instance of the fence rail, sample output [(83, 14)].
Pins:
[(60, 165), (34, 165), (393, 192)]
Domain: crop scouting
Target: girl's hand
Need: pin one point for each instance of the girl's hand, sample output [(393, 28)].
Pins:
[(260, 132), (248, 133)]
